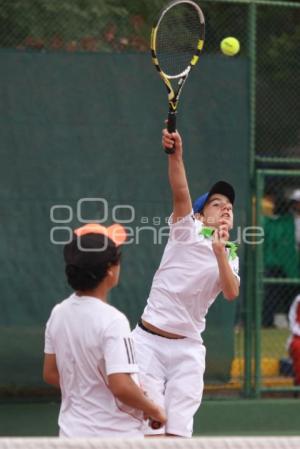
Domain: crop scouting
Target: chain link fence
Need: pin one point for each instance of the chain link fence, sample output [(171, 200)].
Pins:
[(269, 34), (117, 26), (277, 82), (278, 272), (277, 154)]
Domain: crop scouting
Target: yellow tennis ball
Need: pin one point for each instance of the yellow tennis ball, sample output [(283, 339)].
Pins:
[(230, 46)]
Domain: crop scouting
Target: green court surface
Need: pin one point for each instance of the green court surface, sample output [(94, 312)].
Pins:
[(239, 417)]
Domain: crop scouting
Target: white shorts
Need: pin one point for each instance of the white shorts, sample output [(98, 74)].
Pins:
[(171, 372)]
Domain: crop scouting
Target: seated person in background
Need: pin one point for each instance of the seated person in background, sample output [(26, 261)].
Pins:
[(295, 210), (294, 340), (281, 223)]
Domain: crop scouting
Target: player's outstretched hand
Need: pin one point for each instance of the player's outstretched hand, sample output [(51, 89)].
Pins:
[(170, 140)]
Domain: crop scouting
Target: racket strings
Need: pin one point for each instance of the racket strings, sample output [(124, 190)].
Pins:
[(177, 38)]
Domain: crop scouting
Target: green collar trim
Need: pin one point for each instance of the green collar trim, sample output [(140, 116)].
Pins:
[(208, 232)]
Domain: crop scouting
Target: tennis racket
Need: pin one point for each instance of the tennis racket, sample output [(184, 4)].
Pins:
[(177, 39)]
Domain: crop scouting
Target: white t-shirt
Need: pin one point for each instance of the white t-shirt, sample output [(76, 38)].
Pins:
[(91, 339), (297, 230), (186, 282), (294, 314)]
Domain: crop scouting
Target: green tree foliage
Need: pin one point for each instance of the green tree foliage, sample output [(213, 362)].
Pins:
[(93, 25), (124, 25)]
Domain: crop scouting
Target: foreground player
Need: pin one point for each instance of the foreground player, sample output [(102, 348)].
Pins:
[(89, 351), (196, 266)]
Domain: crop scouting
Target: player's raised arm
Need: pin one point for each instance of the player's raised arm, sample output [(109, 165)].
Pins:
[(182, 204), (228, 280)]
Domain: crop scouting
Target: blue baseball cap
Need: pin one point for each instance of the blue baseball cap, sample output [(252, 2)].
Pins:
[(222, 187)]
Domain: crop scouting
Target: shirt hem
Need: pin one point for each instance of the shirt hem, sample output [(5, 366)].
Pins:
[(173, 330)]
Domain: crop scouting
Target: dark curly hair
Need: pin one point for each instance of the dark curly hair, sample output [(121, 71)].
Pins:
[(88, 259)]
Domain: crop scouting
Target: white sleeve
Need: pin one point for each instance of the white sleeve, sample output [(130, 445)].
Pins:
[(183, 230), (234, 264), (119, 352), (294, 316)]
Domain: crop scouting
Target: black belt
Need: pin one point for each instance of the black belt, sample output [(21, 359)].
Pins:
[(140, 324)]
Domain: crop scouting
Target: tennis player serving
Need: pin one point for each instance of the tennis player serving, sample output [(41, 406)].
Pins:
[(198, 263), (89, 351)]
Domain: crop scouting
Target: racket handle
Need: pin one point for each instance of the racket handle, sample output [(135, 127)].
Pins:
[(172, 121), (155, 425), (171, 126)]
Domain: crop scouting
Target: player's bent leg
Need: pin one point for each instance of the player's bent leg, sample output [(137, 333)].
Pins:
[(152, 375), (184, 387)]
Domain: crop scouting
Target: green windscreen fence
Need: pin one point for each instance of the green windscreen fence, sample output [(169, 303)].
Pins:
[(80, 140)]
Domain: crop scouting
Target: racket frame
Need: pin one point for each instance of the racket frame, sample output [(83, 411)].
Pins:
[(174, 94)]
